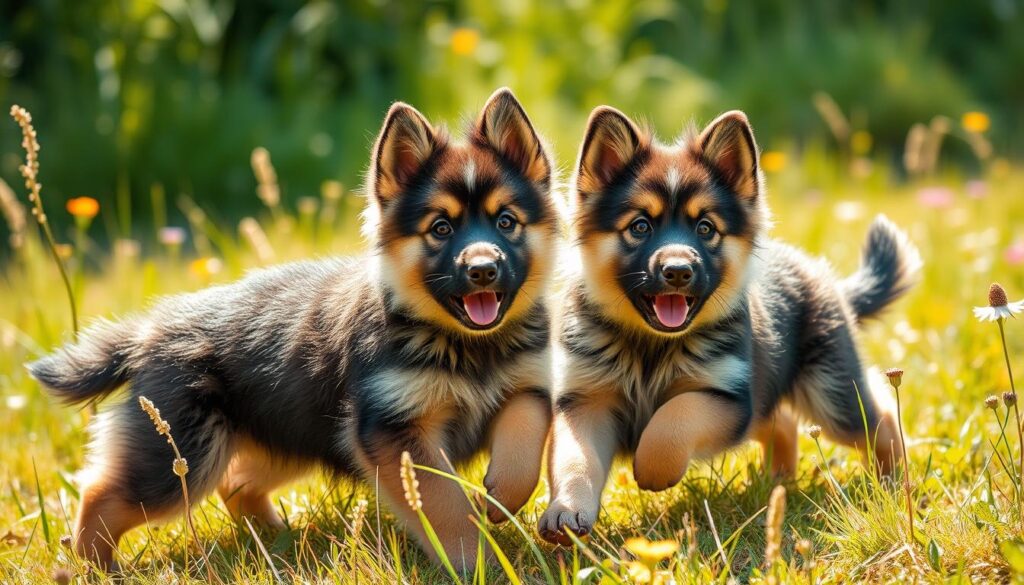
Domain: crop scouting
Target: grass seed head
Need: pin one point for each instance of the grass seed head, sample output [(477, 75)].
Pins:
[(162, 426), (358, 516), (773, 527), (266, 176), (410, 484), (29, 170)]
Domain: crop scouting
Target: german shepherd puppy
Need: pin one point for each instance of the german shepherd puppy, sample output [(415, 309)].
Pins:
[(688, 330), (437, 341)]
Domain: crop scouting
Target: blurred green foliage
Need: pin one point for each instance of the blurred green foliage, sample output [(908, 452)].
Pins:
[(131, 93)]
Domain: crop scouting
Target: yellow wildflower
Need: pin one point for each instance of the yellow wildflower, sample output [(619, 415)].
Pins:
[(773, 161), (465, 41), (976, 122)]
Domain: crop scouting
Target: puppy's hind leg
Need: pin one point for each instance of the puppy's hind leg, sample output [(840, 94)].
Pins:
[(853, 409), (777, 435), (253, 473), (130, 481)]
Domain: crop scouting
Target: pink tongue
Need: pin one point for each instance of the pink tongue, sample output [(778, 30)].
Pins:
[(482, 307), (671, 309)]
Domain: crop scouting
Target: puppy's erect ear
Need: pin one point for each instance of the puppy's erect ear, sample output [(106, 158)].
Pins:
[(727, 144), (503, 126), (611, 142), (405, 143)]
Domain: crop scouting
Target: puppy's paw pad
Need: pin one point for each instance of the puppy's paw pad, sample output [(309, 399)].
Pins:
[(560, 519)]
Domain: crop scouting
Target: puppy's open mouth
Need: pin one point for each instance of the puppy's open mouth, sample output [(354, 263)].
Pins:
[(482, 307), (670, 309)]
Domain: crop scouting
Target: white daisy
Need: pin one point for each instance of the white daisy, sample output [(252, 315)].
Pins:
[(999, 307)]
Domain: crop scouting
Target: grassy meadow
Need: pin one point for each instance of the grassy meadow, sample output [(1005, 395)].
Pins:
[(839, 523)]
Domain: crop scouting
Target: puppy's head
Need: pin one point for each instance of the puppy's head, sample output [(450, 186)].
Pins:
[(666, 231), (464, 230)]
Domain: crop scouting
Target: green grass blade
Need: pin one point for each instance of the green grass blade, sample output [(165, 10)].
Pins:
[(42, 505), (548, 575), (436, 544), (580, 545), (506, 565)]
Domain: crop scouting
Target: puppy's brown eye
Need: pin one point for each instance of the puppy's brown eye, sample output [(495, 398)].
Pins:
[(506, 222), (441, 228), (640, 227), (705, 228)]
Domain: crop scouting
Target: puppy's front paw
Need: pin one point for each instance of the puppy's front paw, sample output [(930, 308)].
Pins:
[(560, 518), (657, 472), (513, 497)]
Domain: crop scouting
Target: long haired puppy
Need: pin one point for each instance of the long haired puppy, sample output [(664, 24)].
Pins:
[(688, 331), (437, 341)]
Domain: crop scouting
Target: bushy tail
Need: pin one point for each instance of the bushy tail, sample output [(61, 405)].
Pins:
[(91, 368), (888, 268)]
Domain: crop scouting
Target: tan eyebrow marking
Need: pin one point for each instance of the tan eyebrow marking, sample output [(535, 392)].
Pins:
[(440, 202), (496, 199), (698, 203), (650, 202)]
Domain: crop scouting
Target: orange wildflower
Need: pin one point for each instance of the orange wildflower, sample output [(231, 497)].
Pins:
[(83, 207)]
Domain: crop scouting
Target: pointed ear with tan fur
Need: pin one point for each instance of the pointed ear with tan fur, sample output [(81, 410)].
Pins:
[(504, 126), (405, 143), (611, 142), (727, 144)]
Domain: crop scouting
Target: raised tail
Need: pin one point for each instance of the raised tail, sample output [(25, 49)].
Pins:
[(888, 268), (91, 368)]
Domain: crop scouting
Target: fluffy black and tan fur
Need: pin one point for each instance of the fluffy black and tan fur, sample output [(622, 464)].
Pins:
[(344, 364), (688, 331)]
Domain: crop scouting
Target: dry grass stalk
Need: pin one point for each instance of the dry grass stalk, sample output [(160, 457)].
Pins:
[(257, 239), (267, 190), (773, 526), (895, 377), (30, 171), (180, 468), (14, 215)]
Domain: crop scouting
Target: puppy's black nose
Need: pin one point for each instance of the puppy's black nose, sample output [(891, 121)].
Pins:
[(483, 273), (677, 274)]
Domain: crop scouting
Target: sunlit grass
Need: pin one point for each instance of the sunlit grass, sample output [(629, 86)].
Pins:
[(964, 496)]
